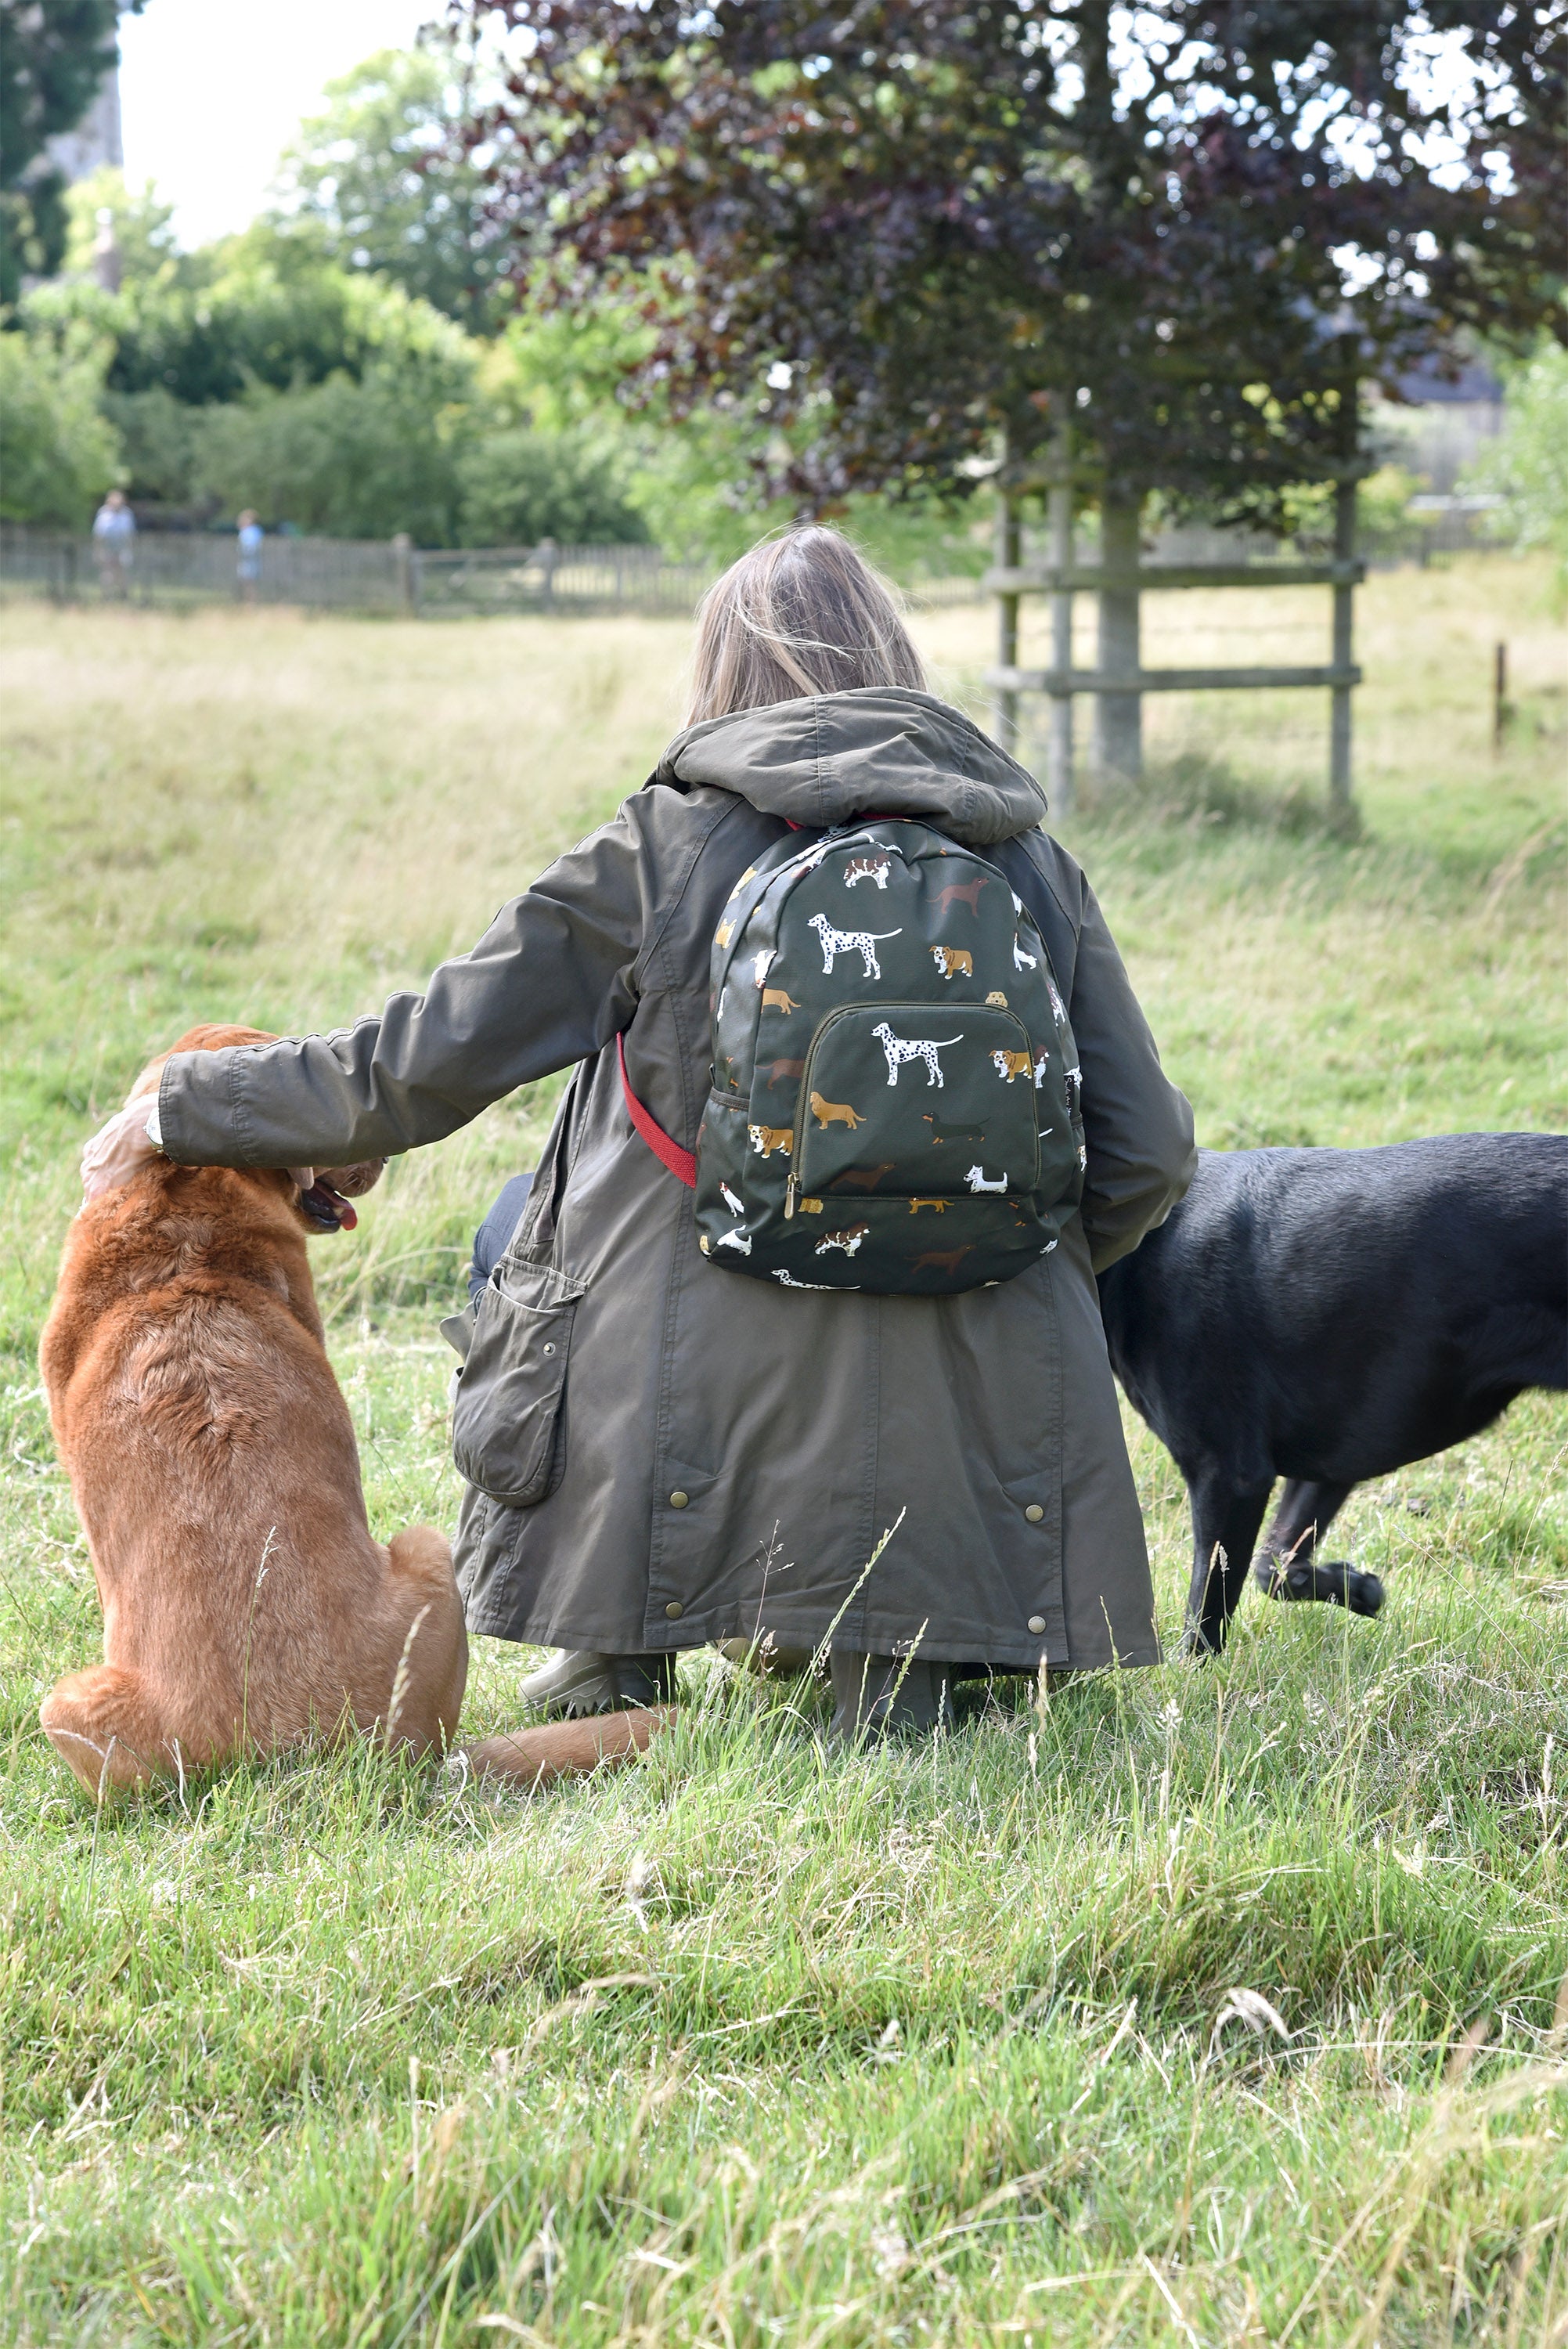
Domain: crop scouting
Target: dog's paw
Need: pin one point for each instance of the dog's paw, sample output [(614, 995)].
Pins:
[(1364, 1593), (1328, 1581)]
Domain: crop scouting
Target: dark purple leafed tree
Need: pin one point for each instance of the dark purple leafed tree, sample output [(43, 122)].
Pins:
[(898, 229)]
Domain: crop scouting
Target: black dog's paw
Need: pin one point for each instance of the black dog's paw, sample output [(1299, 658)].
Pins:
[(1200, 1641), (1363, 1592), (1328, 1581)]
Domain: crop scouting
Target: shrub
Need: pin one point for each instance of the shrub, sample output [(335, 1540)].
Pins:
[(58, 453)]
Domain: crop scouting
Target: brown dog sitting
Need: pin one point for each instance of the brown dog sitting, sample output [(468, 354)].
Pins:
[(214, 1464)]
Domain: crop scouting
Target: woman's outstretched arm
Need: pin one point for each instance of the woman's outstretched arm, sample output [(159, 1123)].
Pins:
[(553, 977)]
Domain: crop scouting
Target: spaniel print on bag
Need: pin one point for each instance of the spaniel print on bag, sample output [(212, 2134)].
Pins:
[(859, 1065)]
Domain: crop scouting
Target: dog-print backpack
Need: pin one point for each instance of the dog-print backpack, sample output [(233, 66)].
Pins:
[(895, 1099)]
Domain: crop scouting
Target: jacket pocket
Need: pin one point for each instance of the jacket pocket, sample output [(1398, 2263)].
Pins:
[(513, 1380)]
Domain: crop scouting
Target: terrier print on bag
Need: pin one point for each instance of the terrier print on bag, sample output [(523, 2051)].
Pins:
[(740, 1241), (731, 1201), (968, 891), (861, 1178), (976, 1178), (762, 963), (952, 961), (862, 942), (827, 1113), (778, 999), (900, 1048), (866, 868), (767, 1138), (849, 1239)]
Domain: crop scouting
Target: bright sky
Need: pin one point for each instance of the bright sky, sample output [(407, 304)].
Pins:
[(212, 91)]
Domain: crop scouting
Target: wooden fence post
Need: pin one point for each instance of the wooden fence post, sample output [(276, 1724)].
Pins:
[(1005, 703), (403, 564), (1342, 652), (1118, 717), (1059, 520)]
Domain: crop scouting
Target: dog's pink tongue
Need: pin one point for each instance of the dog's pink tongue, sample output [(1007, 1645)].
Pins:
[(345, 1214)]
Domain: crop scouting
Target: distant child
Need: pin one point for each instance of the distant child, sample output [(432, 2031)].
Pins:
[(114, 544), (250, 565)]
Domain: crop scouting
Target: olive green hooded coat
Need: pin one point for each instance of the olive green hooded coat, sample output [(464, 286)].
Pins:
[(672, 1454)]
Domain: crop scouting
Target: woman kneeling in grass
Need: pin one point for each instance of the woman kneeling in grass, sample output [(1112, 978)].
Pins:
[(661, 1453)]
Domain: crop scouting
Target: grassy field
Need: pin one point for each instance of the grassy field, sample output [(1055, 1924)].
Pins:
[(747, 2046)]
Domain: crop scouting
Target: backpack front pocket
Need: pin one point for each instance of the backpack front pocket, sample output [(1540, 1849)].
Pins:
[(903, 1099), (513, 1380)]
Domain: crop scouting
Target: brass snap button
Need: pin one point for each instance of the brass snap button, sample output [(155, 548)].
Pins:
[(675, 1609), (677, 1500), (1033, 1513), (1036, 1623), (549, 1350)]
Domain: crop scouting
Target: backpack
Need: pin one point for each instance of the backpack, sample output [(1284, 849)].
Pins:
[(894, 1099)]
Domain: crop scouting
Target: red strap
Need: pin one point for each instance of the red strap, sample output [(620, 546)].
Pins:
[(680, 1163)]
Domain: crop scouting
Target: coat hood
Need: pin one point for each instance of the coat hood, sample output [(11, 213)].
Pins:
[(882, 750)]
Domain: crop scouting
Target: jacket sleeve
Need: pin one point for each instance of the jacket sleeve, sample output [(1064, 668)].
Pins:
[(554, 976), (1137, 1128)]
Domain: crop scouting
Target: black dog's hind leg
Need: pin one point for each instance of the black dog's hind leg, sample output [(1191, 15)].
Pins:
[(1288, 1566), (1224, 1530)]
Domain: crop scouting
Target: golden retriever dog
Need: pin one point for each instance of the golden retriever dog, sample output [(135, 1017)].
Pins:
[(246, 1608)]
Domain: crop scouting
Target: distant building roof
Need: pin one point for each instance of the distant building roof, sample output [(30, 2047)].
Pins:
[(1425, 388)]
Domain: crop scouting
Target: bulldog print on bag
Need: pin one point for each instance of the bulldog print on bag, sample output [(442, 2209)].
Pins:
[(829, 1039)]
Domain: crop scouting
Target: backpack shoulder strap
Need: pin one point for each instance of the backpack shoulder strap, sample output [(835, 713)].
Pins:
[(682, 1164)]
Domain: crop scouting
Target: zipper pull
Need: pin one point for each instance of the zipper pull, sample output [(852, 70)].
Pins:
[(792, 1193)]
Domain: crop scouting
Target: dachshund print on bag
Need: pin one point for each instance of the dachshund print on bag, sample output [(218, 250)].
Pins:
[(767, 1138), (968, 891), (783, 1072), (866, 868), (827, 1113), (849, 1239), (940, 1205), (940, 1132), (900, 1048), (942, 1260), (952, 961), (862, 942), (778, 999), (976, 1178), (860, 1179), (1022, 961)]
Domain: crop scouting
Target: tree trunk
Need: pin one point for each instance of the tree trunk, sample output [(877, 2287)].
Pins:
[(1118, 717)]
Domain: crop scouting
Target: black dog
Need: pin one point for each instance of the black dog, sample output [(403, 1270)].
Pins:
[(1331, 1315)]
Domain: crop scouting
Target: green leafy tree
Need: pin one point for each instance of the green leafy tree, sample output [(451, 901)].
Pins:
[(383, 178), (1529, 460), (57, 451), (54, 55)]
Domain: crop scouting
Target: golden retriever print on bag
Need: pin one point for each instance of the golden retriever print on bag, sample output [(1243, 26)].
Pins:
[(827, 1113)]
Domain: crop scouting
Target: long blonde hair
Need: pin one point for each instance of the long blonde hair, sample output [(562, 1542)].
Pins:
[(799, 614)]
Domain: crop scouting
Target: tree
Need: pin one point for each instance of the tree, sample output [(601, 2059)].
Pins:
[(57, 454), (381, 175), (1529, 460), (893, 231), (54, 55)]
